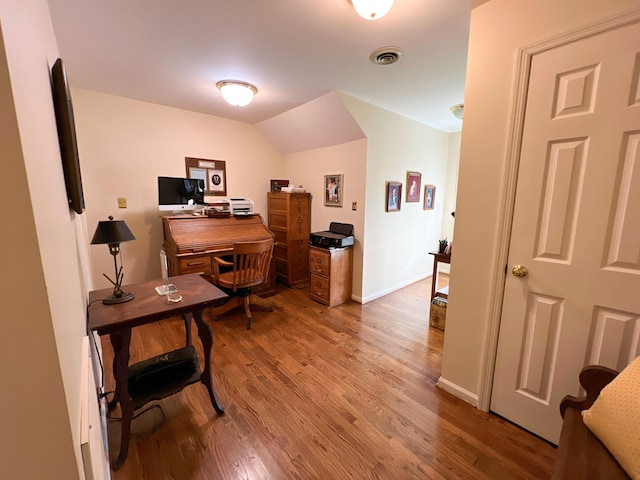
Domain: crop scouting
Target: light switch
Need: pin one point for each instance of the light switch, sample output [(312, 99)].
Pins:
[(122, 202), (354, 206)]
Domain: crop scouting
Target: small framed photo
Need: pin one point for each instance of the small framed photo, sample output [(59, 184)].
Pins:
[(333, 190), (217, 182), (413, 186), (276, 185), (394, 196), (429, 197)]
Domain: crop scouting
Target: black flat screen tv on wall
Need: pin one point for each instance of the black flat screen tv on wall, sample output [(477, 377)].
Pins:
[(67, 137)]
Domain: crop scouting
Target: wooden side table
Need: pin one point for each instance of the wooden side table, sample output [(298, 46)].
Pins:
[(331, 275), (439, 258), (117, 320)]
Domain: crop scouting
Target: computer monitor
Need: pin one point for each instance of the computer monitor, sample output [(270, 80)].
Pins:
[(180, 194)]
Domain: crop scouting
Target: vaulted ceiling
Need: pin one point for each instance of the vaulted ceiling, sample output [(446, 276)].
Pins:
[(173, 52)]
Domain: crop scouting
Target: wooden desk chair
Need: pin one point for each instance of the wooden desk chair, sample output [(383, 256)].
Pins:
[(249, 267)]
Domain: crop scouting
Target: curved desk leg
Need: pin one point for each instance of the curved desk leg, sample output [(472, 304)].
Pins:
[(434, 279), (120, 341), (204, 332), (187, 317)]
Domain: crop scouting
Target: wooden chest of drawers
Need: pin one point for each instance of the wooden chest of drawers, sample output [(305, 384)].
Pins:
[(290, 222), (330, 275)]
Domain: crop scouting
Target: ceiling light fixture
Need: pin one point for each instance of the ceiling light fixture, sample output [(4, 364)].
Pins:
[(237, 93), (458, 110), (372, 9)]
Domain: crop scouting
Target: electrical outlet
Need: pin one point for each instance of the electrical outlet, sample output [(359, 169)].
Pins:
[(354, 206), (122, 202)]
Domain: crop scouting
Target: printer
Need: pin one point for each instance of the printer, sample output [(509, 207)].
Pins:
[(229, 206), (339, 235)]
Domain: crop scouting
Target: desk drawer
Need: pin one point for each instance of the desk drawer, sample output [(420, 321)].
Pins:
[(196, 264), (319, 288), (319, 261), (281, 236)]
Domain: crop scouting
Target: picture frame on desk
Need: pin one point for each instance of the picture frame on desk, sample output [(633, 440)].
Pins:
[(276, 185), (333, 190)]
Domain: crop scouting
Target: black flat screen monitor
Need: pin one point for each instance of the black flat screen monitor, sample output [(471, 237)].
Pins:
[(180, 194), (67, 136)]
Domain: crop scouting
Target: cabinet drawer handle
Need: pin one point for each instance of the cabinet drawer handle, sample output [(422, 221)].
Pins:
[(193, 264)]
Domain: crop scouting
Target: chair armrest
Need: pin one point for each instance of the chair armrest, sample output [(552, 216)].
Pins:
[(221, 262), (217, 263), (593, 379)]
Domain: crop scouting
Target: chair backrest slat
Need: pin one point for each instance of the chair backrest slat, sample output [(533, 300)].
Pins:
[(251, 262)]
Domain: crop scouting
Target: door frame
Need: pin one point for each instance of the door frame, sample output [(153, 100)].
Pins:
[(510, 173)]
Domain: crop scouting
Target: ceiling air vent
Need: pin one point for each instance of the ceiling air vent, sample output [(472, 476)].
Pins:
[(385, 55)]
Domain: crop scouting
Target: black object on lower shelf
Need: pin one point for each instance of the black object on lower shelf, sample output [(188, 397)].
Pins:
[(155, 374)]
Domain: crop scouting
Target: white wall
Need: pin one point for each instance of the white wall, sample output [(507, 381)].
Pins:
[(396, 244), (126, 144), (498, 29), (451, 189), (308, 168), (451, 186), (44, 262)]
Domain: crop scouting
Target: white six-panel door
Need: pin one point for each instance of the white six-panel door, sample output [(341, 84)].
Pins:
[(576, 229)]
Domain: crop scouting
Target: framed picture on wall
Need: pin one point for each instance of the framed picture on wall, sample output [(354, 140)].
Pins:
[(394, 196), (429, 197), (333, 190), (413, 186)]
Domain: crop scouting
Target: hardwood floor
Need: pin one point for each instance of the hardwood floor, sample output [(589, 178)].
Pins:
[(318, 393)]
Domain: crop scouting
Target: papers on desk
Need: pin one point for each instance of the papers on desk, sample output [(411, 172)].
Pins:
[(293, 189)]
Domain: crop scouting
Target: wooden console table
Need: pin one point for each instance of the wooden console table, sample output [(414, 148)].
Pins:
[(438, 258), (117, 321)]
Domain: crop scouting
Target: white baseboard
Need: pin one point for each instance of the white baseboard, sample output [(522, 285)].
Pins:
[(356, 298), (392, 289), (457, 391)]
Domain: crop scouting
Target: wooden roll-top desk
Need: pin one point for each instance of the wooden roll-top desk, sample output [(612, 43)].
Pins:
[(191, 242)]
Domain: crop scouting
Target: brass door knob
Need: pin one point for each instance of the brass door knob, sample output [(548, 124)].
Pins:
[(519, 270)]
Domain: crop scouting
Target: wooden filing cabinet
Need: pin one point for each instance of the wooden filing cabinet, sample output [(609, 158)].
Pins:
[(290, 222), (330, 274)]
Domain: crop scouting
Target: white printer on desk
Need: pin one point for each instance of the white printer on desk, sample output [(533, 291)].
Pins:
[(235, 206)]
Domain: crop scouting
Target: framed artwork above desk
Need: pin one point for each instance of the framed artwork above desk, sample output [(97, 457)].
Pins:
[(213, 172)]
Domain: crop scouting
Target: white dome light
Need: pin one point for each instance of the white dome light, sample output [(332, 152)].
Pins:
[(372, 9), (237, 93)]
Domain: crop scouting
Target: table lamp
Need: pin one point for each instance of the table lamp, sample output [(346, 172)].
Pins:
[(113, 232)]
